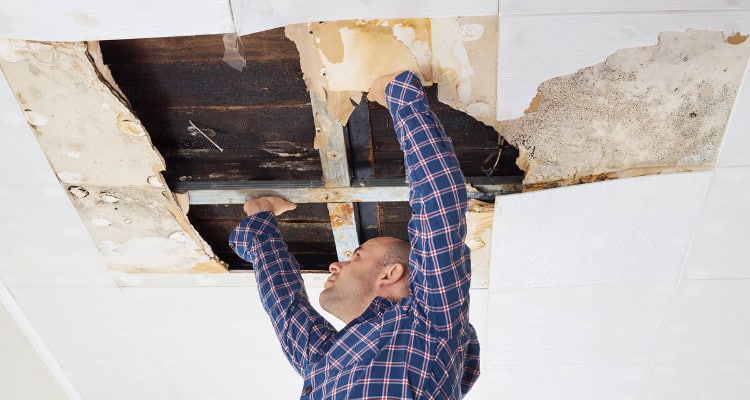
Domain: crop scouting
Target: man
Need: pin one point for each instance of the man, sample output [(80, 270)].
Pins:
[(405, 305)]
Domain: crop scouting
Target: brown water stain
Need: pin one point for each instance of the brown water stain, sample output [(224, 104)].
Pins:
[(737, 38)]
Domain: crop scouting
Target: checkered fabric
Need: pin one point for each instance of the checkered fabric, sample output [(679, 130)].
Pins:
[(421, 347)]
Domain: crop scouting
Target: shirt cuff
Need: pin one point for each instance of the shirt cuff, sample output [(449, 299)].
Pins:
[(405, 88), (241, 239)]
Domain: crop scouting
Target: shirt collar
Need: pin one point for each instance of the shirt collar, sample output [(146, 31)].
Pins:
[(376, 309)]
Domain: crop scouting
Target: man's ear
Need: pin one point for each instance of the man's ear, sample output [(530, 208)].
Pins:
[(392, 274)]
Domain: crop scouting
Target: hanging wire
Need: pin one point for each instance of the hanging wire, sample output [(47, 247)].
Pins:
[(496, 154)]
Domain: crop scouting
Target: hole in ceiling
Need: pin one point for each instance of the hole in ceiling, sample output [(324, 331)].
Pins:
[(257, 125)]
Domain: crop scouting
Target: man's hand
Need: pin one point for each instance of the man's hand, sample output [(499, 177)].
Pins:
[(377, 88), (277, 205)]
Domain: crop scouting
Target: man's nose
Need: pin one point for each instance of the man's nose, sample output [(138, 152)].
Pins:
[(335, 267)]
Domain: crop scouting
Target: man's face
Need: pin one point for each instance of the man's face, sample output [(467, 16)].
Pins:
[(352, 285)]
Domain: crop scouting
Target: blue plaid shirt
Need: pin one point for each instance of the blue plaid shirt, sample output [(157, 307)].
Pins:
[(421, 347)]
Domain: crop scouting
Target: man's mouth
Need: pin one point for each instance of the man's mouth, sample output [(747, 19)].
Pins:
[(328, 283)]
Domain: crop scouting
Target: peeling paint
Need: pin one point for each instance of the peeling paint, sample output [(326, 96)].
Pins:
[(465, 64), (340, 59), (101, 222), (96, 145), (70, 177), (642, 111), (13, 50), (479, 219), (35, 119), (130, 126)]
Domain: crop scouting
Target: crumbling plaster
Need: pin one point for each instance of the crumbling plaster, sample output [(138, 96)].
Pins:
[(103, 157), (642, 111)]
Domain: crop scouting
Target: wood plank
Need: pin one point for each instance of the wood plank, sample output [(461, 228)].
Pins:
[(330, 140), (266, 45), (344, 226), (360, 141), (283, 127), (190, 84), (239, 165)]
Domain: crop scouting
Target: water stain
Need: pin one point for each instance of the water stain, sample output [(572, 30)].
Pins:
[(534, 106), (737, 38)]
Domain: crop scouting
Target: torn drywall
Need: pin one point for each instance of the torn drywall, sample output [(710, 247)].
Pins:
[(479, 219), (644, 110), (103, 157), (340, 59), (465, 64)]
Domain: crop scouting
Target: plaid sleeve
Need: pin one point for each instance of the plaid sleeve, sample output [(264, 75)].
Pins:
[(304, 334), (439, 261)]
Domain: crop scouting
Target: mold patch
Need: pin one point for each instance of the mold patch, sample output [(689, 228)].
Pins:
[(642, 111)]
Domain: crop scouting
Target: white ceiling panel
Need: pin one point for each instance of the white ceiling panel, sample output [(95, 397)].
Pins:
[(593, 6), (715, 380), (575, 325), (68, 21), (259, 15), (720, 248), (709, 321), (734, 150), (636, 230)]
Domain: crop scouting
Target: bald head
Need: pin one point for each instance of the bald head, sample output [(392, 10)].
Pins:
[(379, 267)]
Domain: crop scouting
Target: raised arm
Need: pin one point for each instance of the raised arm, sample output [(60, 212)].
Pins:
[(302, 332), (439, 261)]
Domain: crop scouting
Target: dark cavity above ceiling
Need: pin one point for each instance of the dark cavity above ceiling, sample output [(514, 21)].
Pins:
[(262, 119)]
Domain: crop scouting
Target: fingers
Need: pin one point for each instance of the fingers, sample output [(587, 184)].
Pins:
[(377, 88), (284, 206), (273, 204)]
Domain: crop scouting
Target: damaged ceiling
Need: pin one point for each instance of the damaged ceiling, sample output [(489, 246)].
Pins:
[(158, 141)]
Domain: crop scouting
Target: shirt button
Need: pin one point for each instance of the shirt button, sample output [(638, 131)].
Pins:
[(308, 390)]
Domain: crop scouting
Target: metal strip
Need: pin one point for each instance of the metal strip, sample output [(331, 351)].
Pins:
[(304, 193)]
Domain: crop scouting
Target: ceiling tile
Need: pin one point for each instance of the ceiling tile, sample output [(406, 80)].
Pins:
[(636, 230), (123, 385), (580, 382), (719, 249), (243, 384), (23, 160), (40, 220), (678, 381), (709, 321), (89, 328), (575, 325), (111, 19), (210, 328)]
